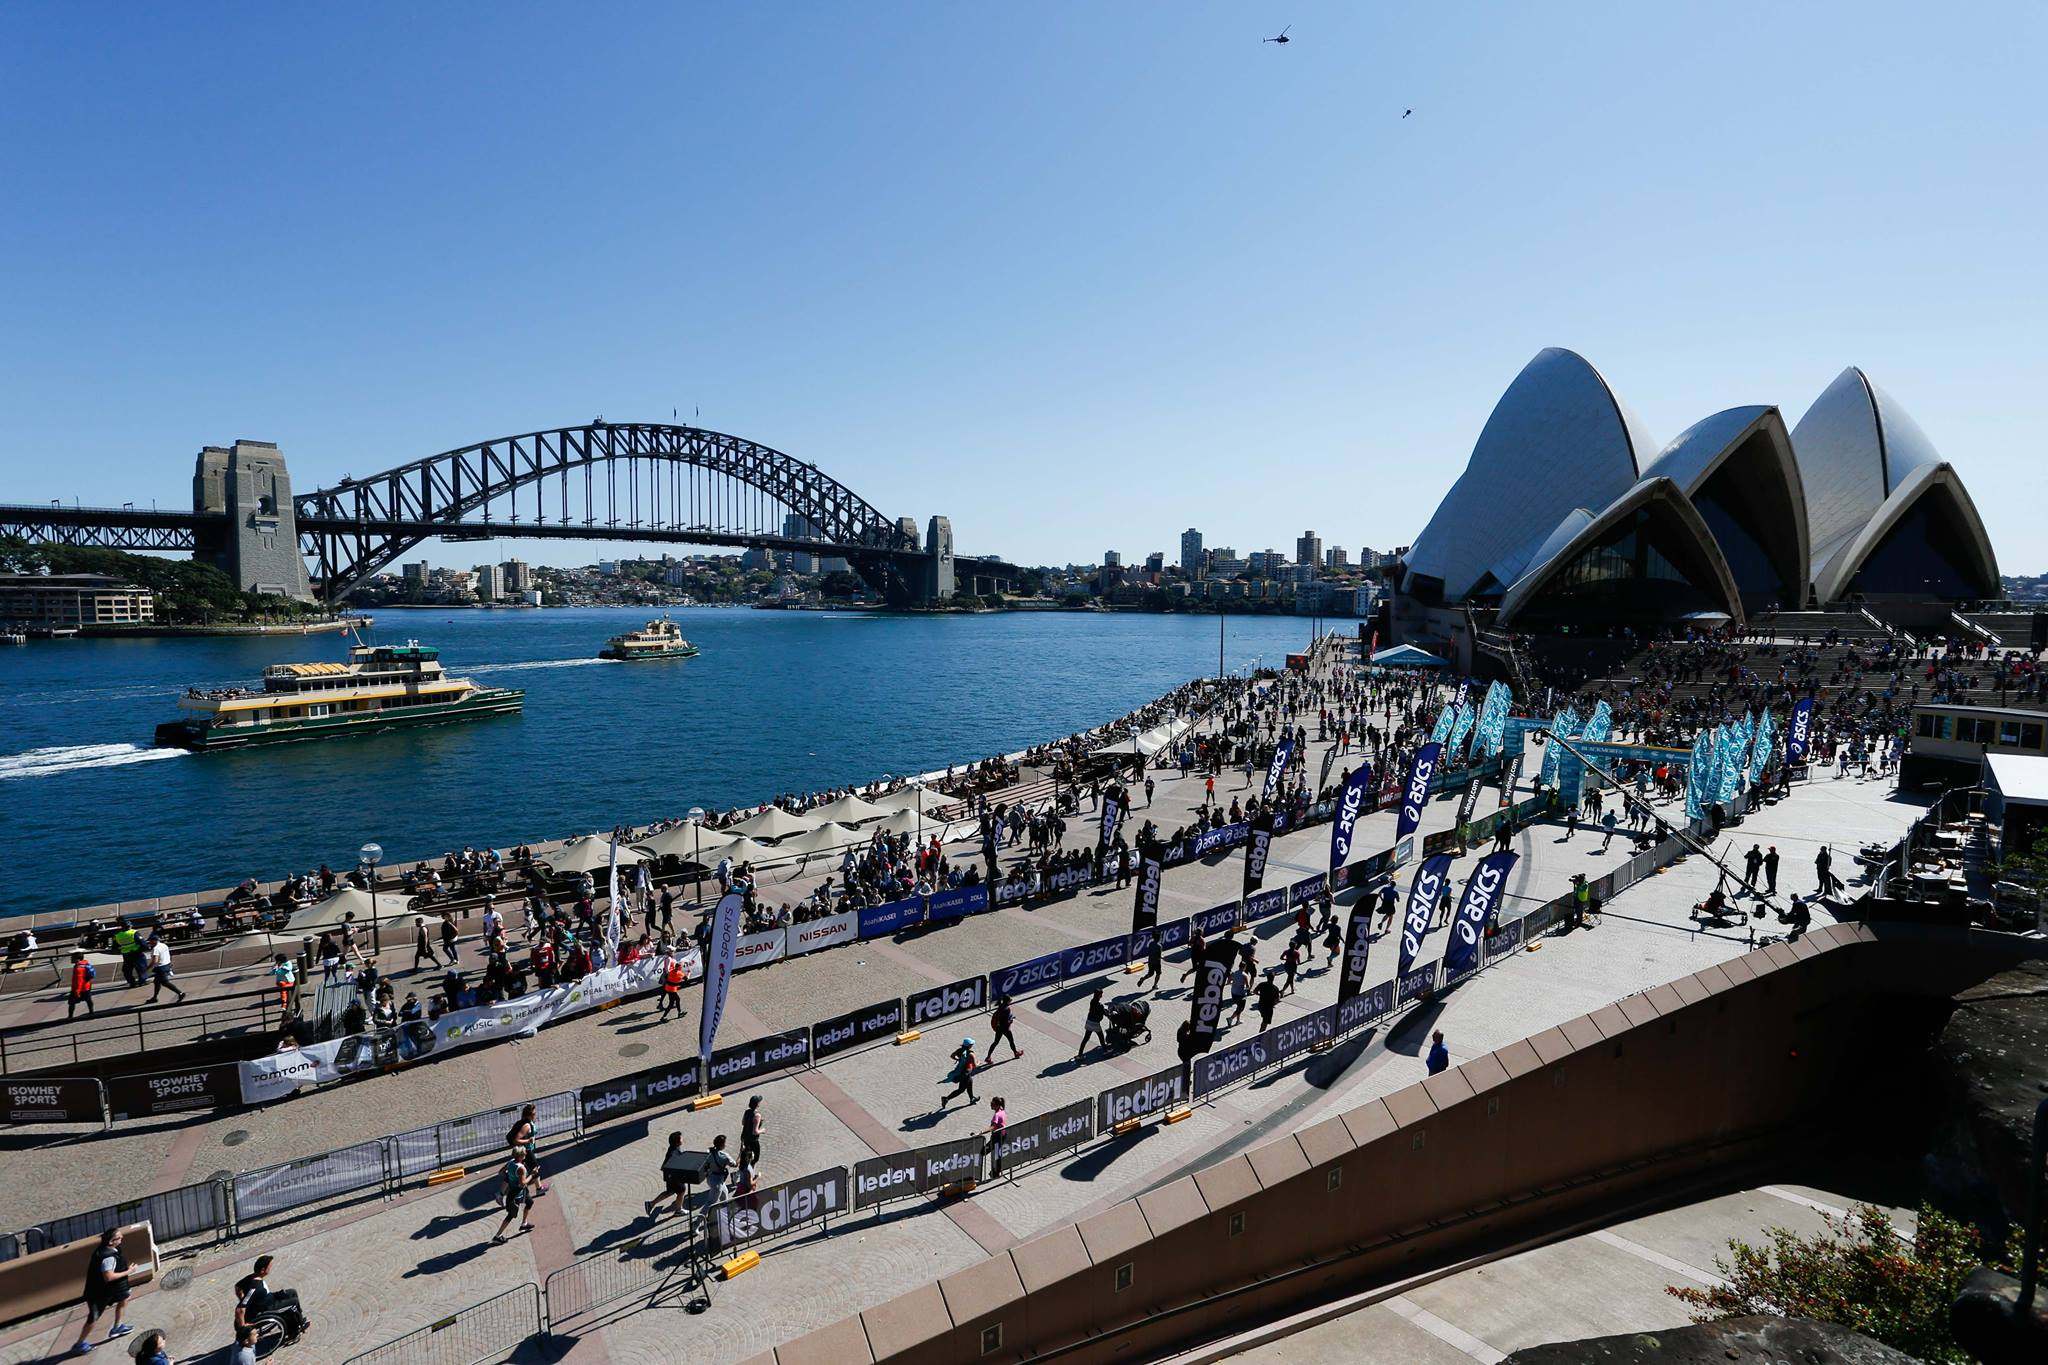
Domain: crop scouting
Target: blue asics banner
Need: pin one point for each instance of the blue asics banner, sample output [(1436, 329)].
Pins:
[(1417, 794), (1350, 805), (1760, 754), (1423, 894), (1278, 767), (1802, 728), (1491, 731), (1483, 893)]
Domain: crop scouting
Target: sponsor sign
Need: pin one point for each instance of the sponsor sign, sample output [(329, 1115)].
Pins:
[(1255, 854), (1021, 978), (830, 1037), (1008, 891), (1136, 1099), (876, 920), (1277, 769), (1067, 879), (829, 932), (777, 1209), (1507, 939), (1232, 1063), (1412, 985), (757, 950), (1109, 813), (947, 1163), (1266, 904), (1059, 1131), (1173, 935), (724, 937), (56, 1099), (641, 1090), (943, 1002), (1223, 836), (1801, 730), (1363, 1008), (173, 1092), (757, 1057), (898, 1175), (1299, 1035), (1307, 889), (1483, 893), (954, 904), (1145, 906), (1352, 802), (1357, 947), (1416, 795), (1205, 1002), (1094, 957), (1431, 877), (1217, 918)]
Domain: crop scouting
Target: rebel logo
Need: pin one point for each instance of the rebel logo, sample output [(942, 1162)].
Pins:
[(945, 1001), (1137, 1099)]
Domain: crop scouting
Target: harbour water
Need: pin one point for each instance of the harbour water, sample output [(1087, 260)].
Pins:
[(778, 701)]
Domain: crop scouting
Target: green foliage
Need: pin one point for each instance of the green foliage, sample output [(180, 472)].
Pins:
[(1858, 1274), (187, 592), (841, 583)]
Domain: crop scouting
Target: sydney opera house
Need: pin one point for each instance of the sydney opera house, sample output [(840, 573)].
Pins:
[(1570, 518)]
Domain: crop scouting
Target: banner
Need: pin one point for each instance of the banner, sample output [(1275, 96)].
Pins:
[(1223, 836), (1364, 1007), (1760, 757), (1136, 1099), (1483, 892), (1205, 1002), (1109, 810), (1277, 769), (827, 932), (1801, 729), (1329, 762), (1461, 730), (1351, 803), (611, 919), (624, 1095), (1145, 905), (925, 1170), (1410, 985), (1357, 945), (844, 1032), (1423, 894), (1697, 775), (1094, 957), (1021, 978), (56, 1099), (757, 1057), (173, 1092), (1038, 1138), (961, 901), (1489, 736), (725, 933), (1417, 794), (1565, 724), (1255, 854), (777, 1209), (943, 1002), (756, 950), (877, 920), (1235, 1062)]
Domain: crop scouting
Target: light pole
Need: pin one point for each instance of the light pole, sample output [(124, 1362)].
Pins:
[(917, 786), (696, 819), (367, 860)]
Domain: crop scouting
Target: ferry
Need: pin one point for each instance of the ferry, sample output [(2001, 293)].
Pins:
[(662, 639), (381, 687)]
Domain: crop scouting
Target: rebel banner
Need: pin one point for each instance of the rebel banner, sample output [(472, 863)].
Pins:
[(943, 1002), (777, 1209), (1145, 905), (1329, 762), (173, 1092), (925, 1170), (1431, 875), (1110, 806), (757, 1057), (54, 1099), (624, 1095), (1277, 769), (830, 1037), (1357, 944), (1797, 735), (1136, 1099), (1205, 1002), (1035, 1139), (1255, 855), (1416, 796), (718, 960), (1351, 803), (1483, 893)]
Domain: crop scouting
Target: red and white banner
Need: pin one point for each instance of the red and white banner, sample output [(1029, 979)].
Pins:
[(829, 932)]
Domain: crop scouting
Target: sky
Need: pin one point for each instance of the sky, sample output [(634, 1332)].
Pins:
[(1076, 275)]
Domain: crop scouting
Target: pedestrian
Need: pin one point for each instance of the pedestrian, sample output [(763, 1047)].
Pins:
[(1093, 1027), (285, 973), (671, 988), (751, 1129), (1003, 1021), (1388, 897), (515, 1196), (1290, 962), (1269, 1000), (107, 1279), (999, 1119), (154, 1348), (1752, 864), (81, 986), (1609, 822), (244, 1352), (1148, 791), (255, 1300), (523, 1138), (1240, 987), (1823, 870), (675, 1182), (1155, 960), (1197, 943), (160, 970), (351, 946), (962, 1074), (1333, 942), (744, 1180), (422, 949), (1439, 1055), (330, 958), (1771, 870), (448, 935), (134, 966)]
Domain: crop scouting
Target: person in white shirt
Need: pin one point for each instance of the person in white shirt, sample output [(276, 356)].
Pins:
[(160, 969)]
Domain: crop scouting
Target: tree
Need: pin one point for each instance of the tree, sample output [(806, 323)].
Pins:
[(842, 584), (1858, 1274)]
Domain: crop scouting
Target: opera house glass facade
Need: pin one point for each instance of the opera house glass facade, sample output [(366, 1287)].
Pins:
[(1569, 517)]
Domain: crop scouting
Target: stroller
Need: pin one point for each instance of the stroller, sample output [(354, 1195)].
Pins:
[(1126, 1021)]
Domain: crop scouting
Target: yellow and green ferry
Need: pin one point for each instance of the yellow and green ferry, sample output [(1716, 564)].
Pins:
[(381, 687), (661, 639)]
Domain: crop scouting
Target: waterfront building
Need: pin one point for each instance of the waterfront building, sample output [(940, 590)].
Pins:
[(416, 572), (68, 601), (518, 575), (1226, 565), (1337, 560), (490, 582), (1192, 561), (1155, 562), (1308, 548), (1112, 559), (1267, 562)]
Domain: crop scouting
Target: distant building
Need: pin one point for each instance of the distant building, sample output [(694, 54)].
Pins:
[(518, 576), (416, 572), (1192, 561), (1155, 562), (1224, 565), (797, 527), (1308, 548), (490, 582), (1266, 562), (69, 600), (1112, 559), (608, 567), (757, 559), (1337, 560)]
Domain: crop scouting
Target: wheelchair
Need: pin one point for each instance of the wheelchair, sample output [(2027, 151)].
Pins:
[(278, 1327)]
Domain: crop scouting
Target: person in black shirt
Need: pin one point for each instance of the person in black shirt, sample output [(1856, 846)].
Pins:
[(750, 1132), (106, 1287), (1268, 1001), (254, 1299), (1002, 1021), (1093, 1028)]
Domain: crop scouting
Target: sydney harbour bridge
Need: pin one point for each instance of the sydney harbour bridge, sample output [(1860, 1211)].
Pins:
[(616, 481)]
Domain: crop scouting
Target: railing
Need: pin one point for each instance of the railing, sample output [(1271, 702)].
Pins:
[(641, 1265), (22, 1049), (172, 1215), (313, 1179), (486, 1331)]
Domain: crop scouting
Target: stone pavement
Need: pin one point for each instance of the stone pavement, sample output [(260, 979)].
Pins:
[(374, 1270)]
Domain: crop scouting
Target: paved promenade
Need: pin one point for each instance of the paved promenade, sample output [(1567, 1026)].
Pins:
[(373, 1270)]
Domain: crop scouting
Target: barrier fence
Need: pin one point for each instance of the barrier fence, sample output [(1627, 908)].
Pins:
[(639, 1266), (309, 1180), (182, 1212), (481, 1332)]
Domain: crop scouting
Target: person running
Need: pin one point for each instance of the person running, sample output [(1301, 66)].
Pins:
[(718, 1168), (107, 1280), (515, 1196), (1333, 942), (1240, 987), (675, 1182), (1290, 962), (160, 970), (351, 946), (1004, 1022), (751, 1128), (448, 935), (671, 989), (1268, 1001), (962, 1074), (1609, 823), (1388, 898), (522, 1138), (1093, 1027), (1155, 961), (81, 986)]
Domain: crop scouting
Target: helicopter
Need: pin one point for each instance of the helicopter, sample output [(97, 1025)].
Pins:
[(1282, 38)]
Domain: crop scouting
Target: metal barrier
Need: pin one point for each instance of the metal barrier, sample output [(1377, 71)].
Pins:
[(10, 1246), (632, 1267), (171, 1215), (452, 1140), (486, 1331), (287, 1185)]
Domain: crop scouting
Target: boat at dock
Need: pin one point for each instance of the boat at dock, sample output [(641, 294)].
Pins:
[(658, 639), (381, 687)]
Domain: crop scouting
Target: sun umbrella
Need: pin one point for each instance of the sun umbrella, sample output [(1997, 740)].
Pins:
[(773, 822)]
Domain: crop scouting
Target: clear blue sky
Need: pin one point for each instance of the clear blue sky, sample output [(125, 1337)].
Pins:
[(1077, 275)]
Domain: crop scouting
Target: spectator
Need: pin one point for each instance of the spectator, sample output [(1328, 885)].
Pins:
[(751, 1129), (107, 1279), (674, 1180), (81, 986), (160, 970), (1439, 1055)]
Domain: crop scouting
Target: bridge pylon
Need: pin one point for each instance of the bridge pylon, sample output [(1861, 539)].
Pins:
[(257, 545)]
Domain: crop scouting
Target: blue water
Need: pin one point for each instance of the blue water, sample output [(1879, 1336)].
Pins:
[(777, 701)]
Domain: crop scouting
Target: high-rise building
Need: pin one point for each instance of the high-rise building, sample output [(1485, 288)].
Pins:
[(416, 572), (1192, 562), (1155, 562), (1337, 559), (797, 561), (518, 576), (490, 582), (1268, 561), (1112, 559), (1308, 548)]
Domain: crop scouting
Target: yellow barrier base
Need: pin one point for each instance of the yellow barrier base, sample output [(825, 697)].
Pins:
[(958, 1189), (1128, 1126), (739, 1265), (1130, 967), (909, 1036), (707, 1101), (447, 1174), (1177, 1115)]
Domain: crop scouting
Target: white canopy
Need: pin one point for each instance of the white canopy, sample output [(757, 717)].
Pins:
[(848, 810), (685, 842), (773, 822), (1148, 742), (328, 914), (827, 839), (913, 799), (742, 850), (907, 822), (592, 853)]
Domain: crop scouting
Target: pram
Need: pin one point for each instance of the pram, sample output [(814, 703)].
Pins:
[(1126, 1020)]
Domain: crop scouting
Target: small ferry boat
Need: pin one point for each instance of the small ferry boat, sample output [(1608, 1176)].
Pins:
[(379, 688), (661, 639)]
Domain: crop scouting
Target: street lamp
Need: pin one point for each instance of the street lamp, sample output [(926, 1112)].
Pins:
[(696, 819), (917, 786), (367, 860)]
